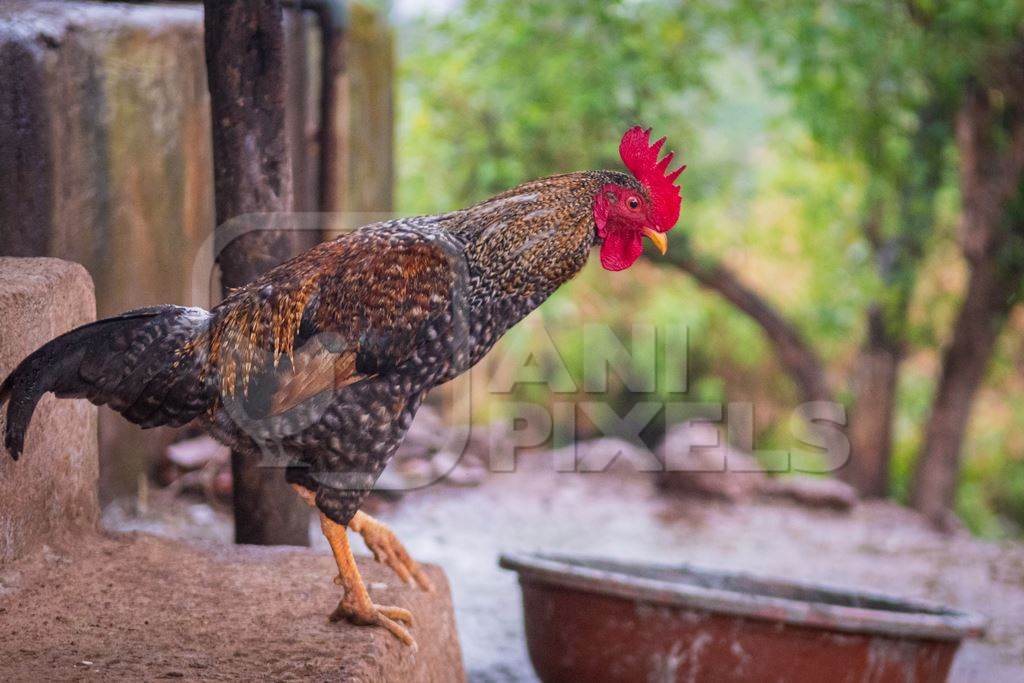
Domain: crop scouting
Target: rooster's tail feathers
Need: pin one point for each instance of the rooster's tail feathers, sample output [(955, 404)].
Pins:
[(133, 362)]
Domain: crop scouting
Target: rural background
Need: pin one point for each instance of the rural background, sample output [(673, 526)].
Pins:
[(852, 233)]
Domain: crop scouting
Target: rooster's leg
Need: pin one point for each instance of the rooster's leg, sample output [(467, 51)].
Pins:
[(387, 549), (356, 605)]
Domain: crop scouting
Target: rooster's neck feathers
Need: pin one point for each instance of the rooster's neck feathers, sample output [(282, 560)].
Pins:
[(537, 235)]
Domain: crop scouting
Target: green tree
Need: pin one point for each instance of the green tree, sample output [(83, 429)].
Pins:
[(855, 73), (982, 46), (504, 91), (911, 99), (896, 86)]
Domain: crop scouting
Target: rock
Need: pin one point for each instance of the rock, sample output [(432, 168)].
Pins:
[(608, 454), (434, 452), (696, 463), (480, 440), (191, 454), (812, 491), (223, 485), (49, 494), (139, 607), (197, 465), (459, 469)]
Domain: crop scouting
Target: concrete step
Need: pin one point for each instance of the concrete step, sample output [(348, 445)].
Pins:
[(51, 491), (76, 604), (140, 607)]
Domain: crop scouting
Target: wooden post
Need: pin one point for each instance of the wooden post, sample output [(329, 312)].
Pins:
[(245, 63), (332, 16)]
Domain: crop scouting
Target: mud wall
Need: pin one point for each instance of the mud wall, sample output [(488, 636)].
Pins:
[(48, 496)]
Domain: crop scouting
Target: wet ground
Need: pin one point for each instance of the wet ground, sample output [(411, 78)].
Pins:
[(879, 546)]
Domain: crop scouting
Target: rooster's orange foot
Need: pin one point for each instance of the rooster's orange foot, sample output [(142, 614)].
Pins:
[(356, 606), (370, 614), (388, 550)]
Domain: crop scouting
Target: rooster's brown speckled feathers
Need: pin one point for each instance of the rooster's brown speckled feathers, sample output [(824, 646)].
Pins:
[(325, 359), (375, 292)]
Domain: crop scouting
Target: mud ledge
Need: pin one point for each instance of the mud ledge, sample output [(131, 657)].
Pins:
[(138, 607)]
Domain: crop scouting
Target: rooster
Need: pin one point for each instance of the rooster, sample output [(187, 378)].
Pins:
[(324, 360)]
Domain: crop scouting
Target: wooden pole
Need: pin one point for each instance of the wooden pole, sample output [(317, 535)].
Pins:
[(245, 63)]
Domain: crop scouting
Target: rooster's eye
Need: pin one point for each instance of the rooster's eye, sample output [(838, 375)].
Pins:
[(633, 203)]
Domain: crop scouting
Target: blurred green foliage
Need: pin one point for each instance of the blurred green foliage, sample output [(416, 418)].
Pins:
[(822, 168), (519, 89)]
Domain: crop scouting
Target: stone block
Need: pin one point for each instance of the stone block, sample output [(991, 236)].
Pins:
[(136, 607), (49, 494), (813, 492), (698, 464)]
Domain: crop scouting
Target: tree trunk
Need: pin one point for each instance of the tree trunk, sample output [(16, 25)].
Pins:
[(875, 375), (990, 137), (252, 177), (977, 327)]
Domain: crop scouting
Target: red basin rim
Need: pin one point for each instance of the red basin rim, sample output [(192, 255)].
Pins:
[(747, 595)]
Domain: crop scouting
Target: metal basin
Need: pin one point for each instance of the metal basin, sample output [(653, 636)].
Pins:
[(601, 620)]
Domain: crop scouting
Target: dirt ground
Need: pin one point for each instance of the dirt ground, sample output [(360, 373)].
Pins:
[(879, 546)]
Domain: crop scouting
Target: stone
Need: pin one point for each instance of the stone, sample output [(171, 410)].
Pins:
[(191, 454), (813, 492), (135, 607), (435, 452), (49, 495), (197, 465), (606, 454), (697, 463)]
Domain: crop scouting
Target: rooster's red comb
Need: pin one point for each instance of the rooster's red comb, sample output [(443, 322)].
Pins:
[(641, 158)]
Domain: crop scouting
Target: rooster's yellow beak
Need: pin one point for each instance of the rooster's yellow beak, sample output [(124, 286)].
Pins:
[(659, 239)]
